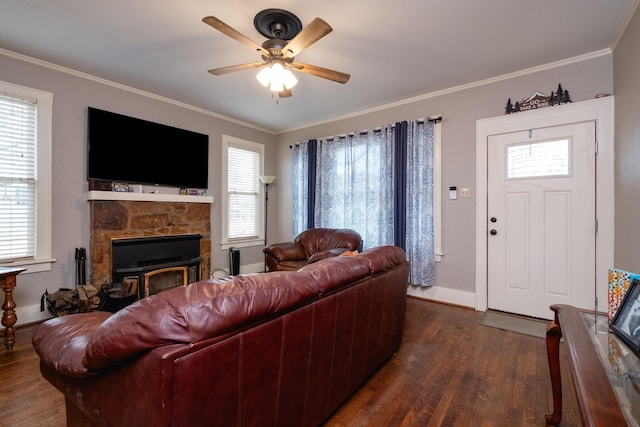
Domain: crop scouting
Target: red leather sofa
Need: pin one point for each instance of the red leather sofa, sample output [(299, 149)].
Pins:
[(268, 349), (311, 246)]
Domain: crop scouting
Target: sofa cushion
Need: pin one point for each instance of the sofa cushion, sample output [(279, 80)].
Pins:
[(61, 342), (332, 273), (382, 258), (194, 313)]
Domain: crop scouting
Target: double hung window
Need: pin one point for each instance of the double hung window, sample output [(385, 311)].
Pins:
[(25, 177), (242, 204)]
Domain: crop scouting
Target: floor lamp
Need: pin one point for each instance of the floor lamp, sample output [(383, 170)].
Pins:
[(266, 180)]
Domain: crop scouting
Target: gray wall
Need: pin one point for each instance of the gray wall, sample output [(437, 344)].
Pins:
[(626, 63), (460, 110), (70, 216)]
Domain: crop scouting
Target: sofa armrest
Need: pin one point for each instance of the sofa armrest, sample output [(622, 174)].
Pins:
[(286, 251), (62, 342)]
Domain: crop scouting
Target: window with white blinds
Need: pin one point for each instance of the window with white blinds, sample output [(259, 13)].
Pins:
[(244, 162), (25, 177), (17, 178)]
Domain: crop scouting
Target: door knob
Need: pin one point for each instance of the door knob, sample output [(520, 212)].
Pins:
[(493, 232), (493, 219)]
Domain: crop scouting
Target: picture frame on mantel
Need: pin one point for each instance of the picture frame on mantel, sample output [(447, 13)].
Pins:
[(626, 323)]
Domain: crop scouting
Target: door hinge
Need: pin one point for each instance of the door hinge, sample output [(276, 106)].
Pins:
[(596, 225), (596, 146)]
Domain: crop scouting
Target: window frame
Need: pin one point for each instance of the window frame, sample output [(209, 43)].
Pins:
[(42, 258), (226, 243)]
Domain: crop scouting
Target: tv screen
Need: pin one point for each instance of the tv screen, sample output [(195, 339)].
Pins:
[(135, 151)]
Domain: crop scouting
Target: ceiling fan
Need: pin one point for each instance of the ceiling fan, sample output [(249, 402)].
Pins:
[(286, 39)]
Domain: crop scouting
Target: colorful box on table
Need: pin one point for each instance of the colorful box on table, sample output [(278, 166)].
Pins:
[(619, 282)]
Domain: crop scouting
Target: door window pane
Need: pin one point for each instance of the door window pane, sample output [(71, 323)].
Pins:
[(549, 158)]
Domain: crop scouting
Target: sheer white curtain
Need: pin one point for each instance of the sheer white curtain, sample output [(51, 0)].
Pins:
[(354, 180), (354, 185)]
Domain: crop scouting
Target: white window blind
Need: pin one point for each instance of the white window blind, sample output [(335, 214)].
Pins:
[(243, 201), (18, 139)]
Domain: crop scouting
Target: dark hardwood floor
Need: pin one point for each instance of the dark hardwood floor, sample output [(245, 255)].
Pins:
[(27, 399), (450, 371)]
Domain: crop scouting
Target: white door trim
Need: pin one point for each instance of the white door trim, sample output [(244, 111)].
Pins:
[(601, 110)]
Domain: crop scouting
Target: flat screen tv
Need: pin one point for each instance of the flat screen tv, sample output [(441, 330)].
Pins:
[(135, 151)]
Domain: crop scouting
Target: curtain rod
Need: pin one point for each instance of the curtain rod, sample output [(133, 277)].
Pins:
[(434, 119)]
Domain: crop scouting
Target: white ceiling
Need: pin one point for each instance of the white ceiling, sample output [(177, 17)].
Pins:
[(392, 51)]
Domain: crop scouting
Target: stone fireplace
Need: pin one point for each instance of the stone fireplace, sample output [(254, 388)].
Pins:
[(114, 220)]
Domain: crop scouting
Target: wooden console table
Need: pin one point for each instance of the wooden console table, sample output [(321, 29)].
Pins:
[(606, 374), (8, 284)]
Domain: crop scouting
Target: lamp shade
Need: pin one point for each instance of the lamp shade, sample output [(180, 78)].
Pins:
[(267, 179)]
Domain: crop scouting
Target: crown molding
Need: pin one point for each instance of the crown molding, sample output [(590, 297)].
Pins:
[(524, 72), (86, 76)]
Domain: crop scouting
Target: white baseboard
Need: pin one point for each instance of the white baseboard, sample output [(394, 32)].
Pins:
[(446, 295), (31, 314)]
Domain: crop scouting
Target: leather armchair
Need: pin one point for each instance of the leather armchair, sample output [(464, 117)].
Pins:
[(310, 246)]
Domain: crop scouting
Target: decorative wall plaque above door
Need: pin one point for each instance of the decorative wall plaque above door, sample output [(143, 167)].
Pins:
[(539, 100)]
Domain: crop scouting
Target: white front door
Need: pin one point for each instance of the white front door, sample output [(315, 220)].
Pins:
[(541, 219)]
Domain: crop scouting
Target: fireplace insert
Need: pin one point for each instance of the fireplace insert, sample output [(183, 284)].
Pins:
[(147, 265)]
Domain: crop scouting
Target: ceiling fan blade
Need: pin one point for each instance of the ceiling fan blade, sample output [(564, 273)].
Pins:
[(309, 35), (286, 93), (234, 68), (234, 34), (325, 73)]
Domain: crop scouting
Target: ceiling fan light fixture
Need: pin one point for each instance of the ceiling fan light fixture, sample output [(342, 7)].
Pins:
[(264, 76), (277, 86), (289, 79), (277, 77)]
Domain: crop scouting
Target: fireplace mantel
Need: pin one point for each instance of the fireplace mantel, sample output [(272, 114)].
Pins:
[(147, 197)]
